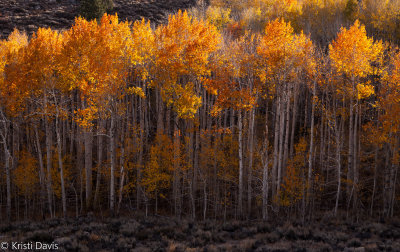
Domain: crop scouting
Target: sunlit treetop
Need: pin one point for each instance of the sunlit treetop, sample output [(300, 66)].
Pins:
[(11, 55), (185, 44), (235, 69), (41, 58), (96, 60), (143, 48), (352, 52), (183, 48), (283, 53)]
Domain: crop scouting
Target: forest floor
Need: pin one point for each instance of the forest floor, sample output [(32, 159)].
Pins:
[(169, 234), (29, 15)]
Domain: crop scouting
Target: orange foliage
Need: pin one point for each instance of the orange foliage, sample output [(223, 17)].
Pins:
[(157, 173), (284, 54), (352, 53), (184, 46), (26, 175), (293, 186), (11, 56)]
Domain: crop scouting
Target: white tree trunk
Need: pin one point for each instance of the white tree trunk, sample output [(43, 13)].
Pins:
[(351, 147), (41, 167), (99, 161), (265, 169), (8, 175), (294, 118), (310, 154), (287, 132), (276, 147), (61, 167), (280, 152), (49, 164), (88, 167), (251, 150), (112, 166), (240, 129), (338, 133)]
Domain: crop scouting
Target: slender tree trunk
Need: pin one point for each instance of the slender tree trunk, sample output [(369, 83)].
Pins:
[(112, 161), (190, 137), (355, 157), (65, 136), (310, 155), (294, 118), (265, 169), (196, 168), (375, 178), (240, 129), (287, 130), (394, 178), (176, 186), (280, 153), (41, 168), (386, 181), (205, 200), (61, 167), (49, 164), (338, 163), (140, 159), (215, 177), (8, 176), (121, 173), (276, 147), (351, 147), (168, 121), (99, 160), (79, 163), (251, 150), (72, 127), (88, 167), (160, 126)]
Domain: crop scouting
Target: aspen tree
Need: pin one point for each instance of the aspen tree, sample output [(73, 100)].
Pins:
[(283, 56), (11, 95), (352, 54)]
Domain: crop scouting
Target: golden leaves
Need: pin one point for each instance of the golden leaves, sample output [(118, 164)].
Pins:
[(389, 100), (352, 52), (282, 50), (136, 91), (96, 59), (11, 71), (26, 174), (184, 46), (365, 90), (293, 186), (218, 16), (184, 100), (85, 117), (234, 81), (157, 172), (284, 55), (185, 43)]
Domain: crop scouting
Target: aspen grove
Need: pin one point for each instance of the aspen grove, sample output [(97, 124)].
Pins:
[(218, 113)]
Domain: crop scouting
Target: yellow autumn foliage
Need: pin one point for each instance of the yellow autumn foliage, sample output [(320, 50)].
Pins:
[(26, 174), (183, 46), (352, 52)]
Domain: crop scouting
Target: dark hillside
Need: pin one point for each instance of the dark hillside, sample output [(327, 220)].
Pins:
[(28, 15)]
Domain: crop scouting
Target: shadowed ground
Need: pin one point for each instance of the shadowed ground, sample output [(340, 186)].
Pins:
[(169, 234)]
